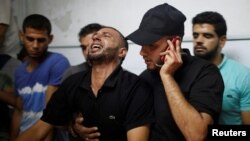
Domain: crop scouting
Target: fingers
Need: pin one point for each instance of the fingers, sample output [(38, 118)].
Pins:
[(173, 59), (87, 139), (85, 132), (92, 136)]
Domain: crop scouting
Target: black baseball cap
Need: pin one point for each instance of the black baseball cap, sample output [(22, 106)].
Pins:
[(159, 21)]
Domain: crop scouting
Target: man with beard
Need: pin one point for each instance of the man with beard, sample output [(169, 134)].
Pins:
[(116, 102), (209, 37), (38, 76), (187, 90)]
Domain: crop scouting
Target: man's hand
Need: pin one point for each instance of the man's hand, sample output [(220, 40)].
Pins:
[(172, 60), (88, 133)]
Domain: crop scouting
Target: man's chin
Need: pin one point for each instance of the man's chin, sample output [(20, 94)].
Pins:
[(151, 67)]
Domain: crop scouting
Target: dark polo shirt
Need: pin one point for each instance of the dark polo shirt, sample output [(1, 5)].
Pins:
[(202, 86), (124, 102)]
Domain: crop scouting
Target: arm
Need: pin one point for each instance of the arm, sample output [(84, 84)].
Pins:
[(245, 115), (39, 131), (140, 133), (191, 123), (3, 29), (16, 119), (85, 132), (6, 90), (7, 95), (244, 101), (50, 90)]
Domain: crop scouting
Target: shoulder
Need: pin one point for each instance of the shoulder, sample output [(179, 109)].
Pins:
[(194, 65), (76, 77), (133, 80), (54, 58), (54, 55), (233, 64), (129, 76)]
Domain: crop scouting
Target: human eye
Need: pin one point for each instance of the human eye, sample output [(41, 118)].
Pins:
[(106, 34), (83, 47), (30, 39), (195, 35), (41, 40), (208, 35)]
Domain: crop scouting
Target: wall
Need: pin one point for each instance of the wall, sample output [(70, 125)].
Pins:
[(68, 16), (238, 50)]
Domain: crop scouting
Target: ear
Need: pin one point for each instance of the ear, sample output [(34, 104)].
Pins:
[(122, 52), (222, 41), (51, 37), (21, 36)]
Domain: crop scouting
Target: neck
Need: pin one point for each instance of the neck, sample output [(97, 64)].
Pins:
[(33, 62), (99, 75), (217, 59)]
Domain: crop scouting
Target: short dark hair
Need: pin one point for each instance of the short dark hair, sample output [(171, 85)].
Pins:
[(90, 28), (214, 18), (124, 40), (37, 21)]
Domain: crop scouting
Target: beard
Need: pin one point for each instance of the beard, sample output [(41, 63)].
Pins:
[(210, 55), (106, 56)]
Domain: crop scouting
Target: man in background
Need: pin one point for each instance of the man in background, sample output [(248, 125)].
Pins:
[(9, 40), (39, 76), (187, 90), (85, 39), (209, 38)]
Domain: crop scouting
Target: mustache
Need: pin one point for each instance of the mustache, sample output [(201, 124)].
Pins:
[(199, 47)]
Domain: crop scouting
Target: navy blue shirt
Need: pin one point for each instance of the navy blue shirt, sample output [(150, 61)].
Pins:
[(124, 102)]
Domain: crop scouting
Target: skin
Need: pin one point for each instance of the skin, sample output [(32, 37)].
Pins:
[(151, 53), (192, 124), (7, 95), (104, 54), (85, 42), (3, 30), (36, 44), (208, 45)]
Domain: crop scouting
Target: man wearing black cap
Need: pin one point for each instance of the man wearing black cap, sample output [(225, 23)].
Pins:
[(187, 90)]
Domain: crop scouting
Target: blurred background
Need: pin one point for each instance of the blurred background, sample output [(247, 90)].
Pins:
[(68, 16)]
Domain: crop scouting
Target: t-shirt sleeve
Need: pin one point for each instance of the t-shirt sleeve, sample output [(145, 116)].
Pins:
[(140, 106), (57, 70), (207, 91), (58, 111), (245, 92)]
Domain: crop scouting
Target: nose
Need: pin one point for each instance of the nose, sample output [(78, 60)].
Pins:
[(96, 36), (35, 44), (143, 51), (198, 40)]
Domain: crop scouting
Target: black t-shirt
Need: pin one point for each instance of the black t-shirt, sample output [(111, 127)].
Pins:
[(202, 86), (124, 102)]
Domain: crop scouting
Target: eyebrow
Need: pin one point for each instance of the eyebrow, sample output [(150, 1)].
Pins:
[(83, 46), (31, 39)]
